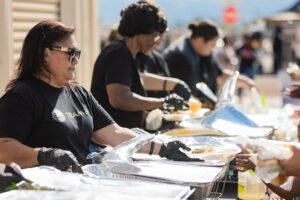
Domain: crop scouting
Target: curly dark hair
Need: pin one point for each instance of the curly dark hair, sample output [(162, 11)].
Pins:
[(205, 29), (32, 60), (142, 17)]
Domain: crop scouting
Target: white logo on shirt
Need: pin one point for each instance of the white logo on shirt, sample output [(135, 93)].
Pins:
[(58, 115)]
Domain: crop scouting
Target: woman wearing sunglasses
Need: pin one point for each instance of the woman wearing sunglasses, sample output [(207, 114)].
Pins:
[(47, 119)]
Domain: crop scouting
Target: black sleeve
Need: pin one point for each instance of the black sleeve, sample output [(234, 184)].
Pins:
[(179, 67), (16, 117), (101, 118), (162, 63), (117, 68)]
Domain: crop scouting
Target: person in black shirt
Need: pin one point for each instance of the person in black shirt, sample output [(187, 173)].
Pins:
[(190, 59), (153, 62), (48, 119), (116, 82)]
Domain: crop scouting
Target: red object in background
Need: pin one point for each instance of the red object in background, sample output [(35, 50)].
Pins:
[(296, 114), (230, 15)]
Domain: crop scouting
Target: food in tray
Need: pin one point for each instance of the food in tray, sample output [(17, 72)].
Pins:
[(204, 150), (194, 111), (222, 151), (190, 132), (286, 145), (175, 116), (194, 105)]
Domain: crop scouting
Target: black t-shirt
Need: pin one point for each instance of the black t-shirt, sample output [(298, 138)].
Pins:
[(115, 64), (186, 65), (39, 115), (153, 63)]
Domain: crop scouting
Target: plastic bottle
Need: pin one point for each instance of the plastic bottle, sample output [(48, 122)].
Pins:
[(250, 187)]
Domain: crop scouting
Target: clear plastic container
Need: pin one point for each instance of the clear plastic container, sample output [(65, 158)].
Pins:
[(250, 187)]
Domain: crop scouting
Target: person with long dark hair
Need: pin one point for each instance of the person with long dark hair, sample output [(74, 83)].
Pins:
[(48, 119)]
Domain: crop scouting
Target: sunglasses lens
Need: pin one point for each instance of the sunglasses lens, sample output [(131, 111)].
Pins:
[(74, 54)]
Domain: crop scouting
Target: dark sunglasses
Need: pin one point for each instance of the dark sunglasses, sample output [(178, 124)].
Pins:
[(72, 52)]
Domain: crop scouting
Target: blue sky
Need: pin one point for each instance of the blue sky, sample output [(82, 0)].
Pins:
[(181, 12)]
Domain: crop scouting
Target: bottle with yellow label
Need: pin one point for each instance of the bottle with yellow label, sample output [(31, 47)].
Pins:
[(250, 187)]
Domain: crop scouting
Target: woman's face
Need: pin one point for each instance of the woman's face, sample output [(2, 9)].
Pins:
[(61, 64), (203, 48), (146, 42)]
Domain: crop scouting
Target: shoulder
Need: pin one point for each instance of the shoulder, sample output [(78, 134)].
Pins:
[(116, 47), (78, 89), (23, 91), (157, 54), (25, 88), (176, 47)]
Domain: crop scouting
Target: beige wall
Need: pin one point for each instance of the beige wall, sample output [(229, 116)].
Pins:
[(80, 13), (83, 14), (5, 43)]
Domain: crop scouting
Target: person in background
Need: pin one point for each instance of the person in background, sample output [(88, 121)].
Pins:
[(190, 59), (277, 49), (225, 56), (248, 54), (112, 35), (116, 82), (48, 119)]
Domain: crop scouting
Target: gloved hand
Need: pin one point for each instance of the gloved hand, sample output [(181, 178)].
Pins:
[(61, 159), (171, 151), (173, 102), (183, 90)]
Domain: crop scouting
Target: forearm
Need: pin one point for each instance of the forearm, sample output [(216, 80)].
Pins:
[(245, 82), (158, 83), (222, 78), (113, 135), (13, 151), (242, 81), (279, 191), (130, 101)]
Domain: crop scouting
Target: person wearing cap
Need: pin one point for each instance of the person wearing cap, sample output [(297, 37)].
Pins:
[(116, 81), (190, 59)]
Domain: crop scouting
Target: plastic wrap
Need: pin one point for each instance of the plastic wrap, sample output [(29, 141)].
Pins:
[(230, 121), (119, 159), (207, 91), (226, 93), (77, 186)]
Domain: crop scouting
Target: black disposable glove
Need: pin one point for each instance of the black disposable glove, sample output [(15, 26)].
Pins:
[(173, 102), (61, 159), (183, 90), (171, 151)]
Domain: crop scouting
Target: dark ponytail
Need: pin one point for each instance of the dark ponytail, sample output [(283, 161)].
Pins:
[(205, 29)]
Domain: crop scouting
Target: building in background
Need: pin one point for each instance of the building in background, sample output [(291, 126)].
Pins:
[(18, 16)]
